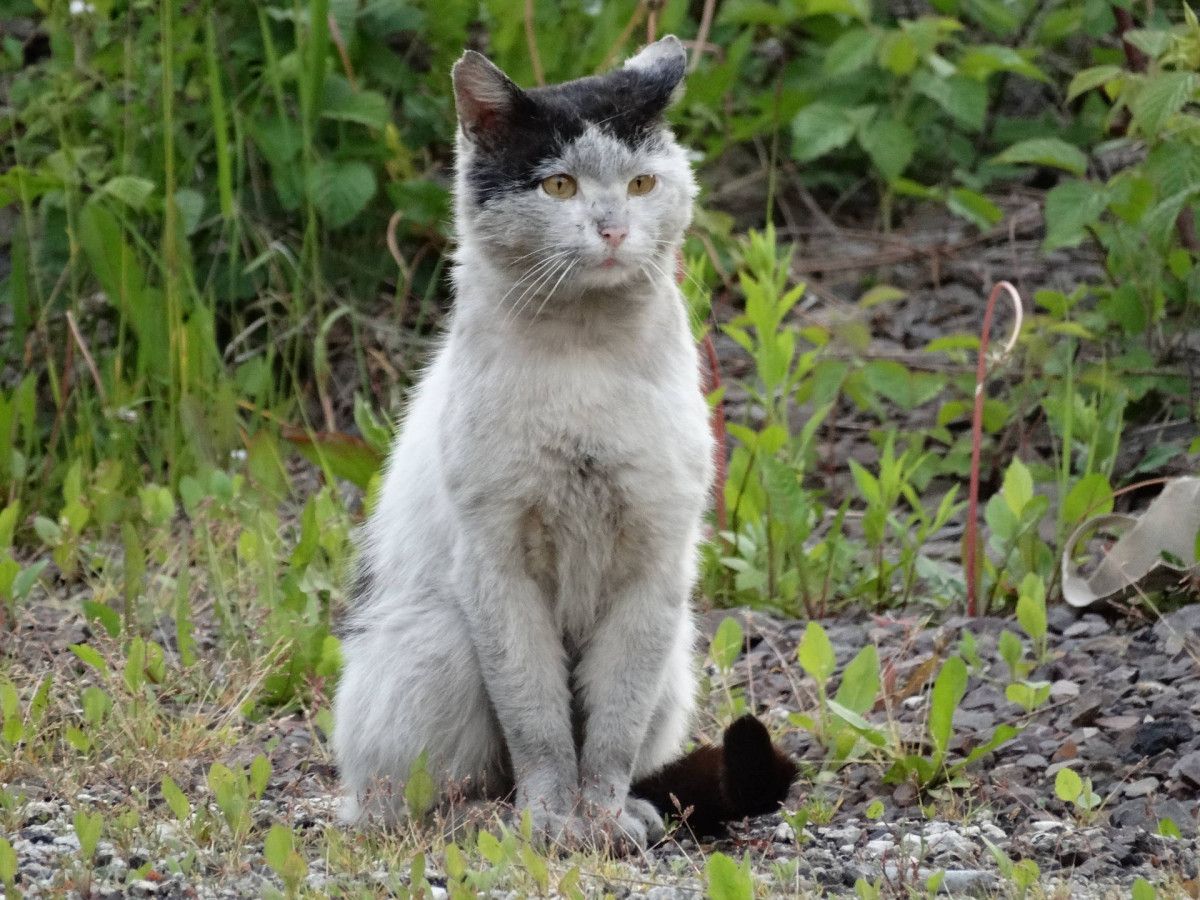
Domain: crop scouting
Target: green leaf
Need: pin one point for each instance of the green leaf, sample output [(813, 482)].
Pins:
[(23, 583), (964, 99), (260, 774), (1142, 890), (1160, 97), (277, 847), (87, 828), (881, 293), (1168, 829), (819, 128), (1017, 489), (347, 456), (420, 791), (1068, 785), (1071, 208), (899, 53), (341, 190), (815, 653), (8, 862), (864, 728), (90, 656), (1089, 79), (1011, 651), (948, 691), (1090, 496), (726, 645), (176, 800), (901, 385), (1031, 606), (852, 51), (974, 207), (1002, 735), (129, 189), (727, 880), (1046, 151), (860, 681), (104, 614), (362, 107), (890, 143)]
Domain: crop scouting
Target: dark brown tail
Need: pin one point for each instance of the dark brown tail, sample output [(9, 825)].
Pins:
[(746, 776)]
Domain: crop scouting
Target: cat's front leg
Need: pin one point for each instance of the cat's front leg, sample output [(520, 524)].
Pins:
[(620, 677), (525, 673)]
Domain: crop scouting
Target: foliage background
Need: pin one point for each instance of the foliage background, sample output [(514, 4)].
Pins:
[(223, 244)]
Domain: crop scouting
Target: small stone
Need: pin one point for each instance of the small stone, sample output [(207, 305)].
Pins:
[(904, 795), (1152, 738), (847, 834), (879, 847), (39, 812), (143, 888), (1042, 825), (1064, 690), (967, 881), (1087, 710), (38, 834), (1032, 761), (1141, 788), (67, 843), (1188, 768), (1060, 617), (1118, 723), (783, 834)]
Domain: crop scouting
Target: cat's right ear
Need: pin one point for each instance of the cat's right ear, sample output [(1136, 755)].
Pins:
[(484, 95)]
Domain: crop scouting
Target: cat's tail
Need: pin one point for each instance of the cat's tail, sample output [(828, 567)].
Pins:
[(745, 776)]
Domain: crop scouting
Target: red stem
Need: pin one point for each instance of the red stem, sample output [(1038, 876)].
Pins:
[(971, 538)]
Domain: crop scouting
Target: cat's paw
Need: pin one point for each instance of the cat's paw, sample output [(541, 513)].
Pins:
[(651, 819), (553, 829), (621, 830)]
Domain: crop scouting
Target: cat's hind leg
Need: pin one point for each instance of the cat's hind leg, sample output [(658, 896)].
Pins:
[(412, 685)]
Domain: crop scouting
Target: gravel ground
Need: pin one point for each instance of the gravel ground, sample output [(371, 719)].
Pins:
[(1124, 711)]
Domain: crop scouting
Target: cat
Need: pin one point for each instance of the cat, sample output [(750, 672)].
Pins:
[(521, 619)]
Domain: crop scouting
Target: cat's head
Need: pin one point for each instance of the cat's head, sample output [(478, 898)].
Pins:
[(583, 179)]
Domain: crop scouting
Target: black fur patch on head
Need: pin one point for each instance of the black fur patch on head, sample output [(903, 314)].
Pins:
[(627, 104)]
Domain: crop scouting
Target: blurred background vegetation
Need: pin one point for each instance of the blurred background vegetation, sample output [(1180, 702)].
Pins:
[(224, 233)]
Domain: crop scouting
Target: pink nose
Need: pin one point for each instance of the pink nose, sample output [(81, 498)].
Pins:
[(614, 235)]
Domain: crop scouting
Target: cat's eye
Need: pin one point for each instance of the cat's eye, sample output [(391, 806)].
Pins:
[(643, 184), (560, 187)]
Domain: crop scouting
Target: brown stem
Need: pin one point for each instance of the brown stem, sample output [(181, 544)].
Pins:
[(706, 20), (535, 59)]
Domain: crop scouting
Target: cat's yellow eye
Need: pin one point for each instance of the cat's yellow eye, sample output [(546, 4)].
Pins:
[(643, 184), (561, 187)]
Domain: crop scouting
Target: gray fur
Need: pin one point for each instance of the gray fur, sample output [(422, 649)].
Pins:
[(533, 547)]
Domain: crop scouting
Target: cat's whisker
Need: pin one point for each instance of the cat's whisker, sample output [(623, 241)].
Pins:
[(532, 291), (566, 272), (537, 269)]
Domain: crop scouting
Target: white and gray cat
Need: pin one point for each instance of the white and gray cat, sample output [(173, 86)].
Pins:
[(522, 606)]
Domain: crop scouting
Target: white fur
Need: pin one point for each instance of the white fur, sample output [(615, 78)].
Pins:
[(533, 545)]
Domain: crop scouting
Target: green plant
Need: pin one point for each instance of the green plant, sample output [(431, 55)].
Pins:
[(728, 880), (1070, 788), (279, 851)]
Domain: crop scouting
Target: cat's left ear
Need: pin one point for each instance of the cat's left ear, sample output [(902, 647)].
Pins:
[(660, 67), (486, 98)]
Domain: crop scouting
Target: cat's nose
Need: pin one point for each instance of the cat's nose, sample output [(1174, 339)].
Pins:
[(614, 235)]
